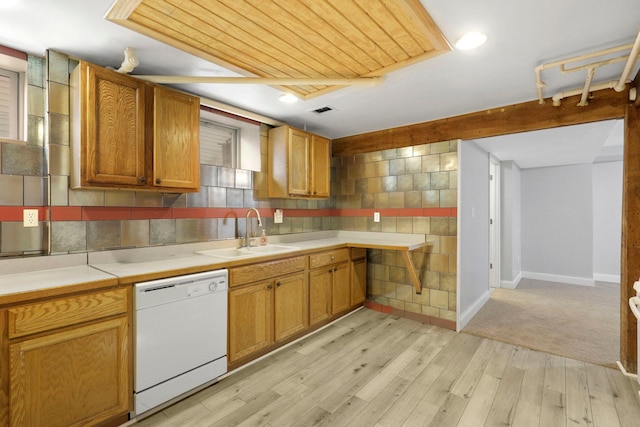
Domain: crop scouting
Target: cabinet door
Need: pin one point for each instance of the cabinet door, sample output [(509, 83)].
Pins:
[(320, 294), (320, 166), (358, 281), (291, 306), (80, 376), (112, 150), (250, 310), (340, 289), (299, 143), (176, 136)]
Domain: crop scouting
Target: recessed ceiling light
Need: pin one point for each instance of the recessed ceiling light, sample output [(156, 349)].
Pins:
[(471, 40), (288, 98)]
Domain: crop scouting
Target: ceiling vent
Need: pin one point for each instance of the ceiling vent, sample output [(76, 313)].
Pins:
[(322, 110)]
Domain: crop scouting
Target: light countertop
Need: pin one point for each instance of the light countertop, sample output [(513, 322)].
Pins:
[(28, 275)]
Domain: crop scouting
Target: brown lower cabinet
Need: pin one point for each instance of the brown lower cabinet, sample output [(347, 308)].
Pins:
[(267, 311), (250, 319), (68, 359), (273, 302), (329, 291), (268, 303), (319, 295)]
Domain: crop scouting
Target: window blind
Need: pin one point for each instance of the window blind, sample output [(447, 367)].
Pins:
[(217, 144), (8, 104)]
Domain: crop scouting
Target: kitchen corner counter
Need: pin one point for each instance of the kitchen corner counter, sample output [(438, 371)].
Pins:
[(35, 277)]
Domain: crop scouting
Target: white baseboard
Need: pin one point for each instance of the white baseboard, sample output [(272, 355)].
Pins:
[(511, 284), (572, 280), (610, 278), (465, 317)]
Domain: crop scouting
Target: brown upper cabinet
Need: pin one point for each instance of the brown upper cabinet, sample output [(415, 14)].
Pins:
[(298, 164), (131, 134)]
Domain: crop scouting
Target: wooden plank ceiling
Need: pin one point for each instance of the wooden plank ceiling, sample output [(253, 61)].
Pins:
[(333, 39)]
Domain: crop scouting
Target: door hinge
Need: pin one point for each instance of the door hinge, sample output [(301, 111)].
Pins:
[(490, 220), (490, 266)]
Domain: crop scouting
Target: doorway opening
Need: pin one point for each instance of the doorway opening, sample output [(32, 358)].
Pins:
[(560, 210)]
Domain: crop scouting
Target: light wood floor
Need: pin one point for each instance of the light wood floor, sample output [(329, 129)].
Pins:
[(372, 369)]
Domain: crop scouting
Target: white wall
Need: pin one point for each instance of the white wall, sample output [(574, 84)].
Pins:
[(510, 232), (607, 220), (473, 230), (557, 224)]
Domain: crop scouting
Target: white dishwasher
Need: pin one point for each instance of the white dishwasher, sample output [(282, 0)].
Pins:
[(181, 336)]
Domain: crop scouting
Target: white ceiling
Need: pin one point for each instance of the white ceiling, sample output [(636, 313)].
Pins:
[(569, 145), (522, 34)]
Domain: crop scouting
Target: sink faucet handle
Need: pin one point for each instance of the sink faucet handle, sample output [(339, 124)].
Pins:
[(241, 241)]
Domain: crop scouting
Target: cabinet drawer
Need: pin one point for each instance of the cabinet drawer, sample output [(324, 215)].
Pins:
[(265, 270), (328, 257), (48, 315), (358, 253)]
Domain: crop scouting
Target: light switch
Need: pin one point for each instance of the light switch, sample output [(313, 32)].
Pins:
[(376, 217)]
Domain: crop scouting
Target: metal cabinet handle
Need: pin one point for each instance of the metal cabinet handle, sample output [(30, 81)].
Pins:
[(335, 268), (158, 181), (278, 283), (143, 179), (270, 287)]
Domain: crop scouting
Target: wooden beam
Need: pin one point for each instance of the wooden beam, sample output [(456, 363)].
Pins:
[(527, 116), (630, 252)]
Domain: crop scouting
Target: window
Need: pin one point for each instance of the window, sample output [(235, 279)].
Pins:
[(13, 117), (218, 144), (9, 104), (229, 140)]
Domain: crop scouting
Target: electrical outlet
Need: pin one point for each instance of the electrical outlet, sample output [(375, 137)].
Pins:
[(376, 217), (30, 217), (277, 216)]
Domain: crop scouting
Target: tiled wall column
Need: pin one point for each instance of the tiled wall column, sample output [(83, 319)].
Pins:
[(23, 173), (415, 191)]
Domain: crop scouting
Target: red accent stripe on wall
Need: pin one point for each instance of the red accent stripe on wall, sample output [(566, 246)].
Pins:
[(103, 214), (66, 213), (151, 213), (97, 213), (15, 213)]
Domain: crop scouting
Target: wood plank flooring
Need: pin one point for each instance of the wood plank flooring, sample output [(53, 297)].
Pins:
[(372, 369)]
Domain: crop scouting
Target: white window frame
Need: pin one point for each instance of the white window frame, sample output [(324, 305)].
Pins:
[(18, 106), (248, 140), (234, 142)]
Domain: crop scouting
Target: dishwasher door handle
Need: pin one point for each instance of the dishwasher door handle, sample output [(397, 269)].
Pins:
[(633, 304)]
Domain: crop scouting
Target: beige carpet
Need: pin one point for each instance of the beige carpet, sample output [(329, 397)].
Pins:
[(579, 322)]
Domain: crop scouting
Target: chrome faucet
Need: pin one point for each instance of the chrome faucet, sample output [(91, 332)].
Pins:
[(247, 242)]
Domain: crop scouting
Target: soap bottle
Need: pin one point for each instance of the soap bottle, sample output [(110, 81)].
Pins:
[(263, 238)]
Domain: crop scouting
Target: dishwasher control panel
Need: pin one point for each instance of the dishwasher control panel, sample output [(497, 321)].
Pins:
[(155, 292), (214, 285)]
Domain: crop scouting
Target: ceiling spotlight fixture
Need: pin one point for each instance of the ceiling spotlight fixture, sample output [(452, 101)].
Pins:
[(288, 98), (470, 41)]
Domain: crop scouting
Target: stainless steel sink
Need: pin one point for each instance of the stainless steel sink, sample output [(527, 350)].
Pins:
[(244, 252)]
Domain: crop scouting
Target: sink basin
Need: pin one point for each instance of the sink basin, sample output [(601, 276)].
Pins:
[(246, 252), (268, 249), (225, 253)]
